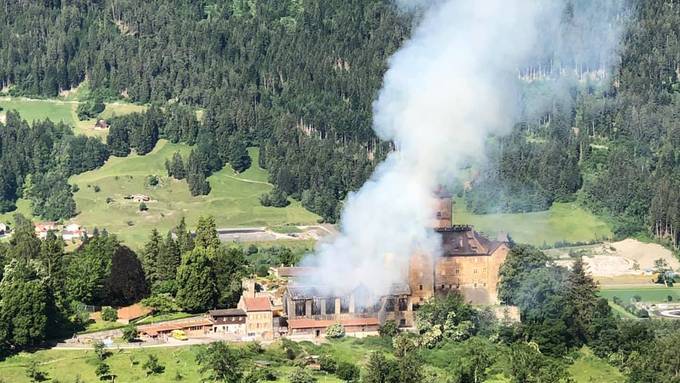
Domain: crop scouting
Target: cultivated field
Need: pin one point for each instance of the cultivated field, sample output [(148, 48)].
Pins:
[(233, 200), (563, 222)]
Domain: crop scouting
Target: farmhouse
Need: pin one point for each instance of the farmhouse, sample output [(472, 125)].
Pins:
[(229, 321), (73, 231), (101, 125), (259, 316), (42, 228)]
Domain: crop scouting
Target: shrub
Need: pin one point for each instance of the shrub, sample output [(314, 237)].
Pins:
[(335, 331), (152, 366), (130, 333), (143, 207), (327, 363), (103, 371), (152, 180), (100, 350), (300, 375), (347, 372), (74, 188), (109, 314), (33, 372), (389, 329), (637, 298), (669, 298), (97, 188), (109, 200)]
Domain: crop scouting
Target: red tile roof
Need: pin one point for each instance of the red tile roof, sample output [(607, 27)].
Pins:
[(257, 304), (154, 329), (319, 323)]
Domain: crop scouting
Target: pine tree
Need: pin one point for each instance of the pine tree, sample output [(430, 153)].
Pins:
[(238, 154), (185, 240), (196, 280), (169, 260), (581, 298), (150, 257), (206, 233)]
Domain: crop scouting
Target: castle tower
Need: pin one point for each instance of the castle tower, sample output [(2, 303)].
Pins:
[(443, 209)]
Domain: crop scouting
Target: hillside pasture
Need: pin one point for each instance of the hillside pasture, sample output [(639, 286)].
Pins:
[(233, 200), (563, 222), (65, 111)]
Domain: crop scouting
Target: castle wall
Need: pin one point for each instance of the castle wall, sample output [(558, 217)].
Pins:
[(420, 277)]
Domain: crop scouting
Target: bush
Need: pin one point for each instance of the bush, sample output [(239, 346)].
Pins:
[(143, 207), (389, 329), (152, 366), (109, 314), (33, 372), (97, 189), (109, 200), (130, 333), (347, 372), (152, 180), (327, 363), (300, 375), (335, 331)]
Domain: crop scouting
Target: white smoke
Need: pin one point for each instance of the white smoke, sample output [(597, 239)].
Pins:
[(448, 88)]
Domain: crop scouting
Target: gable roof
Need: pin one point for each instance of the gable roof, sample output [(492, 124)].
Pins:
[(227, 313), (464, 240), (257, 304)]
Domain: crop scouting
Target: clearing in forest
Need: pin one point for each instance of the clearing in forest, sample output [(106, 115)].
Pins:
[(233, 200), (64, 111), (563, 222)]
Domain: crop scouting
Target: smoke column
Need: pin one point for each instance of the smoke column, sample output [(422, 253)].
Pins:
[(450, 86)]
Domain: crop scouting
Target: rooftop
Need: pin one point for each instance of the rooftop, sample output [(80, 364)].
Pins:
[(319, 323), (257, 304), (227, 313)]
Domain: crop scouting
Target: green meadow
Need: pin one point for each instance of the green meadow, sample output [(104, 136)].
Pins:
[(233, 200), (652, 293), (563, 222), (64, 111), (126, 364)]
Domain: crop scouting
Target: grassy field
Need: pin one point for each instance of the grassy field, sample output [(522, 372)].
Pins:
[(65, 111), (66, 365), (653, 293), (233, 201), (563, 222)]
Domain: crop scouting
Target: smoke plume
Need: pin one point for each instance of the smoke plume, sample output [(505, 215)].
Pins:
[(450, 86)]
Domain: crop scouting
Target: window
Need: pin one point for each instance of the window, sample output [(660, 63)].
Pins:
[(402, 322), (300, 309), (457, 271), (403, 304), (316, 307), (421, 287), (443, 287), (439, 214), (390, 304), (344, 305), (330, 306)]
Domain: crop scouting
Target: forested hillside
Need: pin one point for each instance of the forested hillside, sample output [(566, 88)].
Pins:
[(615, 147), (295, 77)]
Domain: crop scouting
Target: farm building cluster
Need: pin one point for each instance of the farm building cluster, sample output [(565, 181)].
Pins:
[(69, 232), (284, 304)]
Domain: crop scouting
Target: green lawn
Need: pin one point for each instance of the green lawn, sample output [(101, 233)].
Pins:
[(653, 293), (233, 200), (563, 222)]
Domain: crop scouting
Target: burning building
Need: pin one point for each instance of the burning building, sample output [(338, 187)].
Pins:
[(469, 264)]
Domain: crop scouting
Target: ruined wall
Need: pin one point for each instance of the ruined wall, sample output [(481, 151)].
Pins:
[(420, 277)]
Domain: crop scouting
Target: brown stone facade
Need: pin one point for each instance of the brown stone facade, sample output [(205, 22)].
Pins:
[(469, 262)]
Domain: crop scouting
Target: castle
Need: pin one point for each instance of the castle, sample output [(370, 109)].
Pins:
[(469, 264)]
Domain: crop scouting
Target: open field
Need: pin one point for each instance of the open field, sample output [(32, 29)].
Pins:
[(66, 365), (652, 293), (563, 222), (65, 111), (233, 200)]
